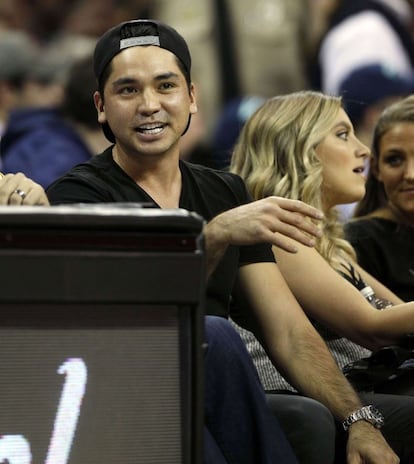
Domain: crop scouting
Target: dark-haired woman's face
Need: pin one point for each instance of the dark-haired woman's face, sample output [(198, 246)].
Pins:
[(395, 167)]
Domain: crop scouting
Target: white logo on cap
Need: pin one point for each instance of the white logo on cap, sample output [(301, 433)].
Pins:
[(142, 40)]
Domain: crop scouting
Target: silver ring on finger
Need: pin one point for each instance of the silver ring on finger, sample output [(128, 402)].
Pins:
[(21, 193)]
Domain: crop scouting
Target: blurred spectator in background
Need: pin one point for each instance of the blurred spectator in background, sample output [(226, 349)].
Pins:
[(57, 126), (363, 32), (216, 152), (367, 91), (47, 20), (14, 14), (228, 127), (78, 107), (194, 146), (18, 54), (319, 17)]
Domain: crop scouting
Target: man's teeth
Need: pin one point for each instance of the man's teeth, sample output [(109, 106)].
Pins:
[(150, 130)]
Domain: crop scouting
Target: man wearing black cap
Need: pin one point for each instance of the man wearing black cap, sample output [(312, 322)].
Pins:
[(145, 102)]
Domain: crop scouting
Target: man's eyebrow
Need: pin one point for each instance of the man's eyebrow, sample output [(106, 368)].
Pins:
[(167, 75), (130, 80), (123, 81)]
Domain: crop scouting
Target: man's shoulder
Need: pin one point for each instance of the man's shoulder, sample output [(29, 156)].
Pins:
[(211, 190), (222, 187)]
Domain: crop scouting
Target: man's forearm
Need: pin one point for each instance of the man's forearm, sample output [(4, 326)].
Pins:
[(314, 373)]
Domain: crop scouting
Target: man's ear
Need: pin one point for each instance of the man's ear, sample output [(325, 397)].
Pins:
[(193, 99), (100, 107)]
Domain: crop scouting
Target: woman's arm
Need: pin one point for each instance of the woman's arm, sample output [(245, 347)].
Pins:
[(380, 289), (330, 299)]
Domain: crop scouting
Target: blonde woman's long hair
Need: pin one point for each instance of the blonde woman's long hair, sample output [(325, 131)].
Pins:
[(275, 155)]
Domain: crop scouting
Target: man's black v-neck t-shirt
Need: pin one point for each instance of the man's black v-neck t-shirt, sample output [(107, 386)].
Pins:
[(205, 191)]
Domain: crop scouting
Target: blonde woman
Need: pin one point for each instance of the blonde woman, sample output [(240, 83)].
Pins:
[(302, 146)]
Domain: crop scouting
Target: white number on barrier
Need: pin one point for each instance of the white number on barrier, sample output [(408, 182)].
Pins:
[(68, 410), (15, 449)]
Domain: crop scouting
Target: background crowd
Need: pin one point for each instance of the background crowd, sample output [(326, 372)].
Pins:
[(242, 54), (225, 38)]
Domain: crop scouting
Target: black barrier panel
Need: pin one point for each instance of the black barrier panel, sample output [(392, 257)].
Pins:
[(101, 345)]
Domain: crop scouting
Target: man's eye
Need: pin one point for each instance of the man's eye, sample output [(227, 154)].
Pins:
[(127, 90), (166, 85)]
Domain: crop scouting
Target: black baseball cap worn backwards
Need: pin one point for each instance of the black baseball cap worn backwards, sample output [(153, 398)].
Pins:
[(122, 36)]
